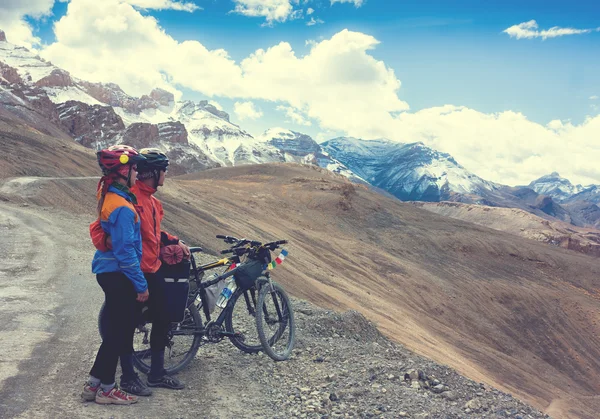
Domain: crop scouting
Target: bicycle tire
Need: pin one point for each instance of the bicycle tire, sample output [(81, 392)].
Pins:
[(285, 316), (247, 343), (140, 356)]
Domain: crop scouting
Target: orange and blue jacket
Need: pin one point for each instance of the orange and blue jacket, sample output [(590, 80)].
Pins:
[(151, 214), (120, 220)]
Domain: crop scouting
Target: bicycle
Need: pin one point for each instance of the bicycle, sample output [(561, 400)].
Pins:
[(272, 318)]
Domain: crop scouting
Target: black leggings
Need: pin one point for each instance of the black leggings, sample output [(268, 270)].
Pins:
[(158, 311), (120, 314)]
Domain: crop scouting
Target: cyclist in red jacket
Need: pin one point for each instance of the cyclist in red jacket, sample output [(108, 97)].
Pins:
[(151, 175)]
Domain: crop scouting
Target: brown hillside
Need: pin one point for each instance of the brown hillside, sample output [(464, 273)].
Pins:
[(27, 151), (517, 314), (521, 223)]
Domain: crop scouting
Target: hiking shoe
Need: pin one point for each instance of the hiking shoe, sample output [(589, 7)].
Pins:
[(166, 381), (89, 393), (136, 386), (115, 396)]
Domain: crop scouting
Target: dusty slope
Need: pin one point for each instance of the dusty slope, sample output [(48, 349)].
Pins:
[(341, 364), (27, 151), (522, 223), (507, 311)]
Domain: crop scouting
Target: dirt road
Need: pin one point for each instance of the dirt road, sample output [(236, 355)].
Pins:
[(49, 301)]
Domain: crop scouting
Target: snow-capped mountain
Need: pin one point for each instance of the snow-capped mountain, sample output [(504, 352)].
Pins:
[(410, 172), (555, 186), (590, 193), (301, 148), (97, 114)]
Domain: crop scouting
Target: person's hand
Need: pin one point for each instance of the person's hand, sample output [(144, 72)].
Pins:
[(185, 248), (143, 297)]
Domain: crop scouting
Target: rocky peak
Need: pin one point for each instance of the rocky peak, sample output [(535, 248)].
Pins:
[(2, 36), (142, 135), (90, 125), (162, 97), (555, 186), (110, 94), (208, 107), (292, 142), (10, 74), (57, 78)]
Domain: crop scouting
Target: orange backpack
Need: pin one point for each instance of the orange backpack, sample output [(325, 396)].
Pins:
[(99, 237)]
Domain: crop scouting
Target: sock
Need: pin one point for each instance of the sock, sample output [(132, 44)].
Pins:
[(107, 387), (127, 368), (157, 367), (93, 381)]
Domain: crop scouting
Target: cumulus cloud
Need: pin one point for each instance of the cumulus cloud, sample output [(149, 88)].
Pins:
[(529, 30), (357, 3), (314, 21), (505, 147), (246, 110), (594, 97), (295, 116), (310, 11), (12, 19), (338, 85), (271, 10)]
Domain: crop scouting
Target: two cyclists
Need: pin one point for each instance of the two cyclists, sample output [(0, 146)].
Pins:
[(148, 238)]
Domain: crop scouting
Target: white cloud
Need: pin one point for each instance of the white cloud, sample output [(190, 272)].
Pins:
[(12, 19), (247, 110), (528, 30), (294, 115), (215, 104), (183, 6), (337, 85), (313, 22), (309, 11), (505, 147), (357, 3), (594, 97), (271, 10)]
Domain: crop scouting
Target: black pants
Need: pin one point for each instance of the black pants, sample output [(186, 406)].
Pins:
[(158, 311), (120, 314)]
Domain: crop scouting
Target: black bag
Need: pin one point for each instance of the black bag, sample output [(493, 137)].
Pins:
[(176, 295), (180, 270), (177, 288), (247, 273)]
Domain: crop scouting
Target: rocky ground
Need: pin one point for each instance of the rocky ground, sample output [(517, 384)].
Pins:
[(343, 367)]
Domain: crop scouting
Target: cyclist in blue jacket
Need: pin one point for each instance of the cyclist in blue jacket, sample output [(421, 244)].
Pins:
[(118, 272)]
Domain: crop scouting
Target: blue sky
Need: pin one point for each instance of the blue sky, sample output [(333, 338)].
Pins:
[(443, 53)]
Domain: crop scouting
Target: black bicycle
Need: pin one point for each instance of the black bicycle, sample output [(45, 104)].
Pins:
[(265, 320)]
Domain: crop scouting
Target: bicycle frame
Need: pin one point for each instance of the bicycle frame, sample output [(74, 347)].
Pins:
[(198, 273)]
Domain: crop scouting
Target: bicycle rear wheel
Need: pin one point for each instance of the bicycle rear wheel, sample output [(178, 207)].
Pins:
[(275, 322), (241, 320), (184, 341)]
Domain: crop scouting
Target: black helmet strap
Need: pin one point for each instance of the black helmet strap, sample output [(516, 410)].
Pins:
[(156, 176)]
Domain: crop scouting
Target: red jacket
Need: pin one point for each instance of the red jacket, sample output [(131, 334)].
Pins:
[(151, 214)]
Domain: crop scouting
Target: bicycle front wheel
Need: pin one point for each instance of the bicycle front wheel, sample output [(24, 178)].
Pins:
[(241, 320), (275, 322)]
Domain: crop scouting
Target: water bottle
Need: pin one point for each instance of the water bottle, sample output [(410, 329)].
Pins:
[(227, 293)]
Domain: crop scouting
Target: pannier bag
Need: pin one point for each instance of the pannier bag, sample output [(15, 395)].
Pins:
[(247, 273), (177, 288), (176, 294)]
